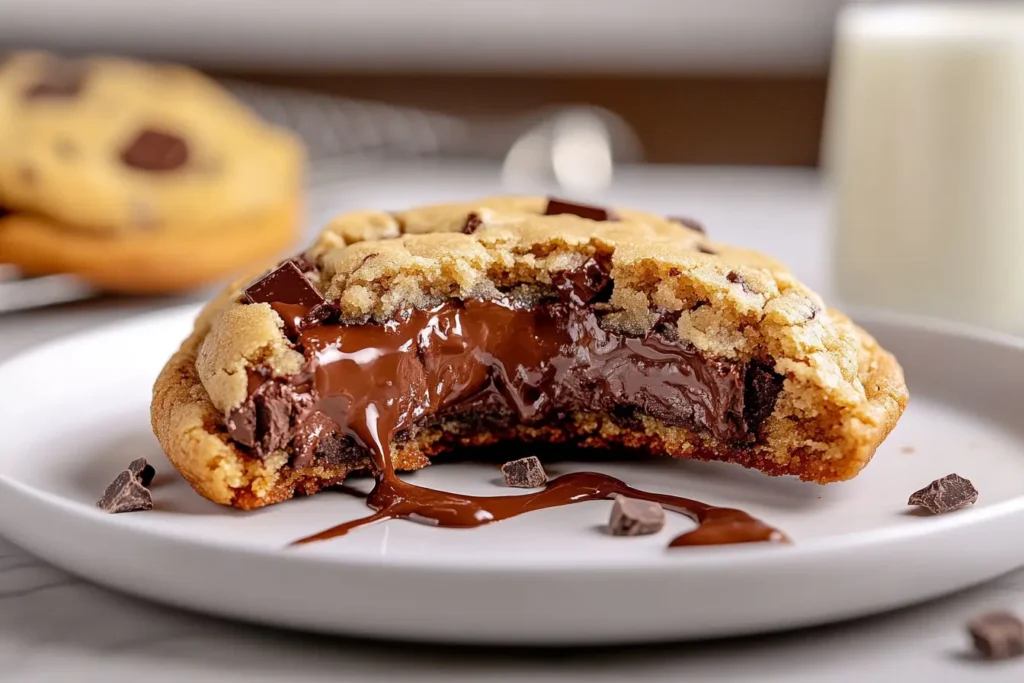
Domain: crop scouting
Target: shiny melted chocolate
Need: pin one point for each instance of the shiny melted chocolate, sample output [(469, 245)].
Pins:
[(536, 363)]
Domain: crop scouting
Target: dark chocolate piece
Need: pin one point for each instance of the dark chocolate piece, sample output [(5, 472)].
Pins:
[(126, 494), (284, 285), (292, 296), (947, 494), (997, 635), (59, 79), (525, 473), (594, 213), (588, 283), (632, 517), (267, 420), (143, 470), (689, 223), (303, 263), (705, 250), (473, 222), (156, 151)]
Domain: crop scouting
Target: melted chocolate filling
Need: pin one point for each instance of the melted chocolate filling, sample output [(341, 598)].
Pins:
[(367, 385)]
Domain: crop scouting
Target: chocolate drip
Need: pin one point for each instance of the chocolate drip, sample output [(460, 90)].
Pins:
[(370, 383)]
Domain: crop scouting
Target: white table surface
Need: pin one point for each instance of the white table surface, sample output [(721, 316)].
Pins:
[(54, 627)]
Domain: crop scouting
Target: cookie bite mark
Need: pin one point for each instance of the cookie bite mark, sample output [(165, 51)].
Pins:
[(155, 151), (594, 213), (493, 362)]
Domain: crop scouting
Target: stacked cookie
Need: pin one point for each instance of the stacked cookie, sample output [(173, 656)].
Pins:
[(138, 178)]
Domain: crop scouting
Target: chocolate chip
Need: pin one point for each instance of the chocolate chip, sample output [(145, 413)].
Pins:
[(947, 494), (156, 151), (594, 213), (589, 283), (525, 473), (284, 285), (59, 79), (705, 250), (143, 470), (473, 222), (689, 223), (632, 517), (126, 493), (674, 272), (762, 386), (997, 635)]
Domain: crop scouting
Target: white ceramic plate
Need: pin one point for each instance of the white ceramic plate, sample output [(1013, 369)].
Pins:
[(75, 412)]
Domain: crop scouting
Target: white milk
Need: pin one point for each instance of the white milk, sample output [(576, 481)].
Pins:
[(925, 146)]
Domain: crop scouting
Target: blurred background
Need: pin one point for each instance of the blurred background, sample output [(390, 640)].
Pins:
[(717, 110)]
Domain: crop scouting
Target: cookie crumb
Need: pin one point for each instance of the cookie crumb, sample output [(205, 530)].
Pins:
[(525, 473), (632, 517), (947, 494), (997, 635)]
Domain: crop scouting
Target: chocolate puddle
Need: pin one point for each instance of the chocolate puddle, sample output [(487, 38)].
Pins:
[(367, 383), (393, 498)]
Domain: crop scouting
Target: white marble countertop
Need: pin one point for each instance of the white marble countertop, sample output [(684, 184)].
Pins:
[(54, 627)]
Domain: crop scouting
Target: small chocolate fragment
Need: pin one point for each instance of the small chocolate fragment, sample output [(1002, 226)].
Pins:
[(473, 222), (689, 223), (303, 263), (705, 250), (284, 285), (525, 473), (631, 517), (155, 151), (997, 635), (738, 279), (594, 213), (60, 79), (143, 470), (125, 494), (589, 282), (947, 494)]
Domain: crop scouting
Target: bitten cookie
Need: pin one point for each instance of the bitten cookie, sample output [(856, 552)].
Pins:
[(400, 336), (138, 177)]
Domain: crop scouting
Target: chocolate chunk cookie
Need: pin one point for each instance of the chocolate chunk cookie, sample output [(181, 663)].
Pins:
[(120, 171), (404, 335)]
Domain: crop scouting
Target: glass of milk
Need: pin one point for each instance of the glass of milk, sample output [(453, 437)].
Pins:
[(925, 148)]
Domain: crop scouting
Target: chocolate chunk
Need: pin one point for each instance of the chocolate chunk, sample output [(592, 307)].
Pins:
[(126, 494), (267, 420), (632, 517), (705, 250), (997, 635), (59, 79), (525, 473), (763, 387), (689, 223), (143, 470), (284, 285), (590, 282), (473, 222), (303, 263), (594, 213), (947, 494), (155, 151)]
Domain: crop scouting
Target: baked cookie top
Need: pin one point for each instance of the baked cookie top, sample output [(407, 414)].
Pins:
[(111, 145)]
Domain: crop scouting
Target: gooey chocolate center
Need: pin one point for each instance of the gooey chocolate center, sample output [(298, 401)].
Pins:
[(526, 364)]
